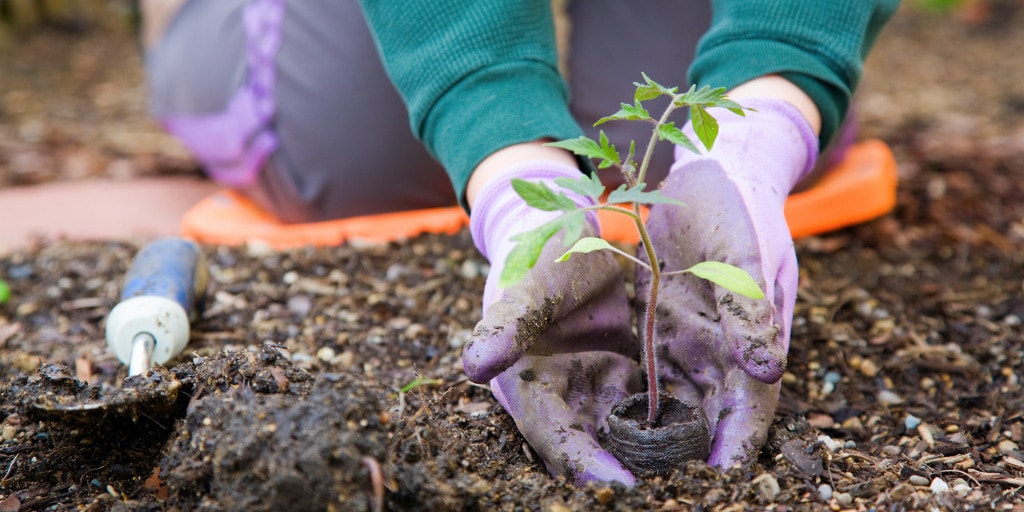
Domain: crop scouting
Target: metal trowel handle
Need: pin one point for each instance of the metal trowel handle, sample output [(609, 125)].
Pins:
[(162, 290)]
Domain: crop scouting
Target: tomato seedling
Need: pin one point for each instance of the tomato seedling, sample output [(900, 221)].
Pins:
[(627, 200)]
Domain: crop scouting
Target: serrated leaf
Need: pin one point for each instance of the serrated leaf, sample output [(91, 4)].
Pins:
[(524, 255), (651, 89), (609, 154), (733, 107), (727, 276), (583, 146), (669, 132), (540, 196), (586, 185), (704, 96), (637, 195), (529, 245), (704, 125), (708, 97), (627, 113), (585, 245)]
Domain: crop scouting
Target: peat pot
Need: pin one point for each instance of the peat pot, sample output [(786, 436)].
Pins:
[(680, 434)]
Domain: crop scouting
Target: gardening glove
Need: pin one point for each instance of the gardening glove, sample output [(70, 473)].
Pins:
[(718, 348), (557, 347)]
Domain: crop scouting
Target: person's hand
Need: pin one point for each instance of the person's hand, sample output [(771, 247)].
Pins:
[(557, 347), (717, 348)]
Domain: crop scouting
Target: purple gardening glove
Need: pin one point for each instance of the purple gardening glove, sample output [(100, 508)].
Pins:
[(715, 347), (557, 347)]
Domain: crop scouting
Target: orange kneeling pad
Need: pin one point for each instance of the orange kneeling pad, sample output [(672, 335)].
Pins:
[(861, 187)]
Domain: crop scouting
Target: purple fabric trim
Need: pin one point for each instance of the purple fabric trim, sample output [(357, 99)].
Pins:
[(233, 145)]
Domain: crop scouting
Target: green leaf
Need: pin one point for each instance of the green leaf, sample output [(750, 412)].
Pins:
[(669, 132), (637, 195), (530, 244), (587, 185), (733, 107), (704, 96), (727, 276), (5, 291), (651, 89), (420, 381), (704, 125), (584, 146), (627, 113), (585, 245), (610, 155), (708, 97), (540, 196), (524, 255)]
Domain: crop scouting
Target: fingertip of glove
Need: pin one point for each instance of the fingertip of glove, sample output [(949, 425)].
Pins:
[(607, 469), (764, 366), (476, 370), (481, 363)]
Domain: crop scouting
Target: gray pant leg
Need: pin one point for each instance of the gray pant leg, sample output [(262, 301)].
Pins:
[(612, 42), (344, 132), (200, 62)]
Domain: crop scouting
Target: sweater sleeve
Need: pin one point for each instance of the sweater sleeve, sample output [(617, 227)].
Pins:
[(476, 76), (819, 46)]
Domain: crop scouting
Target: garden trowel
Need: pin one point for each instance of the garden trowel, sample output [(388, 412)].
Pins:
[(150, 325)]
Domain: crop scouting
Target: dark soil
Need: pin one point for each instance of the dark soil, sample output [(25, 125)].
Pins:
[(331, 378)]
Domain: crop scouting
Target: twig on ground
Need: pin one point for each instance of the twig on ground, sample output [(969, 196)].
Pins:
[(376, 480)]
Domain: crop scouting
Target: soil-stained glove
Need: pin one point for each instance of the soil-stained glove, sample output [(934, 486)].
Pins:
[(715, 347), (557, 347)]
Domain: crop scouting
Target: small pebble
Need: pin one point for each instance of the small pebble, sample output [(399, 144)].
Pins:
[(10, 432), (831, 444), (850, 444), (604, 495), (290, 277), (844, 499), (820, 421), (767, 486), (918, 480), (833, 377), (961, 487), (258, 248), (868, 368), (911, 422), (825, 492), (470, 269), (938, 485), (325, 354), (346, 358), (1007, 447), (888, 397)]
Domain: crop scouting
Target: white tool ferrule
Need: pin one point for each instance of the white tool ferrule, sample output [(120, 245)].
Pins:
[(161, 317)]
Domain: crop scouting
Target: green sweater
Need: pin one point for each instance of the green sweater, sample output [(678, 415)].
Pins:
[(480, 75)]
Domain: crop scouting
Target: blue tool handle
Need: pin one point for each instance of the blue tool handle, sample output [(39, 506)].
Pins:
[(171, 268)]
